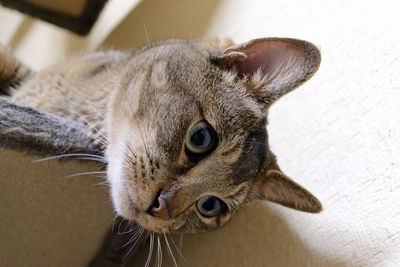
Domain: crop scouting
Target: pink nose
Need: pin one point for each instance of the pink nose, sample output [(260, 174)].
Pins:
[(159, 208)]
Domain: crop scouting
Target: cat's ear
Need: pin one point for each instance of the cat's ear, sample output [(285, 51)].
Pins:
[(275, 186), (273, 66)]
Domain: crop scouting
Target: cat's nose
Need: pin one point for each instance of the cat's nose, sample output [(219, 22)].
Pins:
[(159, 208)]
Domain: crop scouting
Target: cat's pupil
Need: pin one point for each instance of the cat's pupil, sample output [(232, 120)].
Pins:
[(210, 204), (200, 138)]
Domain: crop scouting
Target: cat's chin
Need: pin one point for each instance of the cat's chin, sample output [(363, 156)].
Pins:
[(155, 225)]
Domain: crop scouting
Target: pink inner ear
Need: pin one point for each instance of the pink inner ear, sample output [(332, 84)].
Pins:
[(268, 54)]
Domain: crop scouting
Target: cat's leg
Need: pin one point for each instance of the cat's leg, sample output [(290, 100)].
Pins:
[(12, 71)]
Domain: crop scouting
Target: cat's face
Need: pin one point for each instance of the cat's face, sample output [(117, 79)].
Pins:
[(188, 145)]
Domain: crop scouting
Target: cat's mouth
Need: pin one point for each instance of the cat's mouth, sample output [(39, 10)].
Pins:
[(157, 225)]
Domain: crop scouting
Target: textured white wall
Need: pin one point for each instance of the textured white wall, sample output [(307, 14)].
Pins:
[(340, 133)]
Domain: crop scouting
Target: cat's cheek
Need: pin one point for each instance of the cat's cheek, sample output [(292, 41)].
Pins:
[(122, 203), (120, 197)]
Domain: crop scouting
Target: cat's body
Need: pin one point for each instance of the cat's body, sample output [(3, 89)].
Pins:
[(182, 123), (79, 88)]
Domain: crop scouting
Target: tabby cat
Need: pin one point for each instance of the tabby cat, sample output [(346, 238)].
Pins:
[(182, 123)]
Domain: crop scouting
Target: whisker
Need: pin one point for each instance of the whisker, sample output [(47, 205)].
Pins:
[(170, 250), (140, 130), (113, 222), (129, 159), (143, 140), (121, 222), (131, 150), (176, 247), (85, 173), (147, 34), (92, 159), (128, 162), (159, 252), (96, 134), (101, 137), (150, 250), (133, 229), (134, 244), (133, 237), (93, 156), (105, 183), (181, 241)]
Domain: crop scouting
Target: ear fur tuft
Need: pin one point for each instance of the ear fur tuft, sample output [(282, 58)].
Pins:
[(273, 66)]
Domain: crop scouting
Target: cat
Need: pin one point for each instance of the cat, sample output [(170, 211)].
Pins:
[(182, 123)]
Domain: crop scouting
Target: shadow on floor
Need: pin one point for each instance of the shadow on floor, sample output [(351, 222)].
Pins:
[(258, 236)]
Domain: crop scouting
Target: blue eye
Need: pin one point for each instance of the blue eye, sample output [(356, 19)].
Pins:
[(210, 206), (201, 138)]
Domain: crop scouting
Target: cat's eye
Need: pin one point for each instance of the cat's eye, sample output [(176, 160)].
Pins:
[(201, 139), (210, 206)]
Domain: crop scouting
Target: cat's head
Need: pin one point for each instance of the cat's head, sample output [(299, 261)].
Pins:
[(187, 129)]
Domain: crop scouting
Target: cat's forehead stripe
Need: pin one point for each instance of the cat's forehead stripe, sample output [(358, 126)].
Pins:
[(159, 74)]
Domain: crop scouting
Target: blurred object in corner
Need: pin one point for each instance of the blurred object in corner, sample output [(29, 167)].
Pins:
[(77, 16)]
